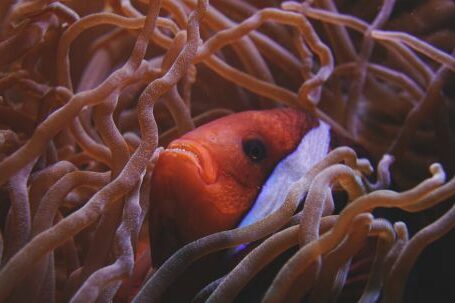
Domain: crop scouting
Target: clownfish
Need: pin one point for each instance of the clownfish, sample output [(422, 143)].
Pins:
[(229, 173), (207, 180)]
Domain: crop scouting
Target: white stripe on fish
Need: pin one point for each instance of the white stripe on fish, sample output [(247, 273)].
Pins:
[(313, 147)]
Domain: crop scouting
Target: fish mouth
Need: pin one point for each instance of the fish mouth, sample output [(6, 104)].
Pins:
[(199, 156)]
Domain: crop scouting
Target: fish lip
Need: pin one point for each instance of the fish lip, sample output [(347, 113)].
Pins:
[(199, 155)]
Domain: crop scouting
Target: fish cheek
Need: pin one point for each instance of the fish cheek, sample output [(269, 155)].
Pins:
[(231, 200), (250, 174), (212, 208), (195, 214)]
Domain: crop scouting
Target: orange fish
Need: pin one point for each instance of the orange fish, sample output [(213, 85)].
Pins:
[(208, 179), (227, 173)]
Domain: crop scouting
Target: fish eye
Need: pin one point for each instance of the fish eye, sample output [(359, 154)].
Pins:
[(254, 149)]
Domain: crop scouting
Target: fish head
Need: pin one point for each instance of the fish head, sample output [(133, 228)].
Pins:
[(205, 181)]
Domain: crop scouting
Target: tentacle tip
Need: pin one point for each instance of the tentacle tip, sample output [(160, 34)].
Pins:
[(399, 224), (437, 171), (388, 158), (401, 229), (365, 216)]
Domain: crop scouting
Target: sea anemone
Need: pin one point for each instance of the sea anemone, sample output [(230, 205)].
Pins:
[(89, 90)]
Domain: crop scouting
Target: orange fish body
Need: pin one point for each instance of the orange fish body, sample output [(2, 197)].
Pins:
[(207, 180)]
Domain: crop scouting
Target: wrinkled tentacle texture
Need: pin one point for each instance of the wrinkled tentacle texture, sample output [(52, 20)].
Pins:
[(80, 130)]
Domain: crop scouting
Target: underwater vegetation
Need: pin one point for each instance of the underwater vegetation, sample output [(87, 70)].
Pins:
[(91, 92)]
